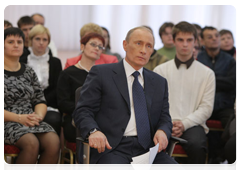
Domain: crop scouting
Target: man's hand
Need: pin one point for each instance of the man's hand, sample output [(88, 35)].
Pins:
[(99, 141), (161, 138), (177, 129)]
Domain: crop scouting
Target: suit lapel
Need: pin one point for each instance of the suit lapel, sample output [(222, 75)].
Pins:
[(148, 88), (120, 80)]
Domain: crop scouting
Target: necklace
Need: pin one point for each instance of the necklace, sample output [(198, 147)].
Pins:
[(12, 69), (79, 63)]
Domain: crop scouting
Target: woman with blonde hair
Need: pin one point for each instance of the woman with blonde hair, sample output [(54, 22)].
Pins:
[(47, 69)]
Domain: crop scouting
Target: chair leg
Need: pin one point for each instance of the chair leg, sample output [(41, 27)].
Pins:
[(12, 160), (62, 160), (5, 162), (71, 160)]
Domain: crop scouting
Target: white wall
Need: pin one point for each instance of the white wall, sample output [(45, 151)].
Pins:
[(65, 21)]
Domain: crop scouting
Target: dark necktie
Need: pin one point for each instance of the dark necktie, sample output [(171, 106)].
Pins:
[(141, 114)]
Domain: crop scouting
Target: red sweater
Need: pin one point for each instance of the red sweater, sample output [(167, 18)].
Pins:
[(104, 59)]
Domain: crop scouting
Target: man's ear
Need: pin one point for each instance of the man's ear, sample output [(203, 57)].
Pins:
[(125, 43)]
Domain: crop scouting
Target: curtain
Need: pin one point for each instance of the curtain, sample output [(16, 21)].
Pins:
[(65, 21)]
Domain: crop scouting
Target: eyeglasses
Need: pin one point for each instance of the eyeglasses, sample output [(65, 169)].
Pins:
[(95, 45)]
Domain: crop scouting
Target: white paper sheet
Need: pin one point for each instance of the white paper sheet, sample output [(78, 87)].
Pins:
[(146, 158)]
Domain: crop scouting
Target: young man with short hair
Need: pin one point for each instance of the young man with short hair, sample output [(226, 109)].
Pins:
[(191, 93)]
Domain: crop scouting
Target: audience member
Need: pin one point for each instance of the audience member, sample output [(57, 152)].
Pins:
[(199, 30), (196, 49), (229, 135), (25, 108), (191, 93), (165, 33), (7, 24), (73, 77), (39, 19), (105, 112), (25, 23), (227, 42), (106, 37), (155, 58), (104, 58), (47, 69), (224, 67)]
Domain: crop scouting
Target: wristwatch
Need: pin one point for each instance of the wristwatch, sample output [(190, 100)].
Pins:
[(92, 131)]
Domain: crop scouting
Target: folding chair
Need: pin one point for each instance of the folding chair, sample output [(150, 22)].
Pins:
[(10, 151), (83, 150)]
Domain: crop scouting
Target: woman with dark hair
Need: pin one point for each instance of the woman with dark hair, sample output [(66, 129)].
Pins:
[(47, 69), (106, 37), (25, 107), (70, 79)]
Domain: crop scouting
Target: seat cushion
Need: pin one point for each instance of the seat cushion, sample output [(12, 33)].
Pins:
[(214, 124), (71, 145), (178, 149), (10, 149)]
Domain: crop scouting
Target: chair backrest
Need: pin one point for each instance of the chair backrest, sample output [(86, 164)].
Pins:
[(79, 146)]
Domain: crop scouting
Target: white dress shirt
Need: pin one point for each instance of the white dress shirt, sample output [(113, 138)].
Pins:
[(131, 129)]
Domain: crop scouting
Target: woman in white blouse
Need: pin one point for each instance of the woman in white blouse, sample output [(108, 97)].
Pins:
[(47, 69)]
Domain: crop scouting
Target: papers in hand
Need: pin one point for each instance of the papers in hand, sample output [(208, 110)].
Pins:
[(146, 158)]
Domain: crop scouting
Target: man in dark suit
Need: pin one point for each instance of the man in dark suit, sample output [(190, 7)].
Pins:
[(105, 112)]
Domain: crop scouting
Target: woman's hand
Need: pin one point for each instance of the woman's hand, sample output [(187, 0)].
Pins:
[(30, 119)]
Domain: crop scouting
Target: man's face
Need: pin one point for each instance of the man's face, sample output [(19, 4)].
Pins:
[(38, 19), (211, 39), (26, 29), (139, 48), (167, 38), (184, 43)]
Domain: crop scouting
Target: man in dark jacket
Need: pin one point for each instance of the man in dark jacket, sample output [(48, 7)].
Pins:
[(224, 67)]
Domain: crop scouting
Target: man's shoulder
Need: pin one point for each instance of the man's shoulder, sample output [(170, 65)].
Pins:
[(225, 55), (202, 68), (165, 65)]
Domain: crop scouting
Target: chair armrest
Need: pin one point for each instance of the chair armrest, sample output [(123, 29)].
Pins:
[(172, 142), (81, 139), (178, 140)]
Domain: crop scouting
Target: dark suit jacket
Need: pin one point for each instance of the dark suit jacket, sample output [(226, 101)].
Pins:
[(104, 104)]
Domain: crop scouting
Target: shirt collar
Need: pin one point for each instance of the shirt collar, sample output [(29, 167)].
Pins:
[(130, 70), (188, 62)]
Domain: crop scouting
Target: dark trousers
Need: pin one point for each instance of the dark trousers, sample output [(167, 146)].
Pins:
[(215, 142), (230, 149), (69, 130), (196, 148), (128, 148), (223, 115), (54, 119)]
